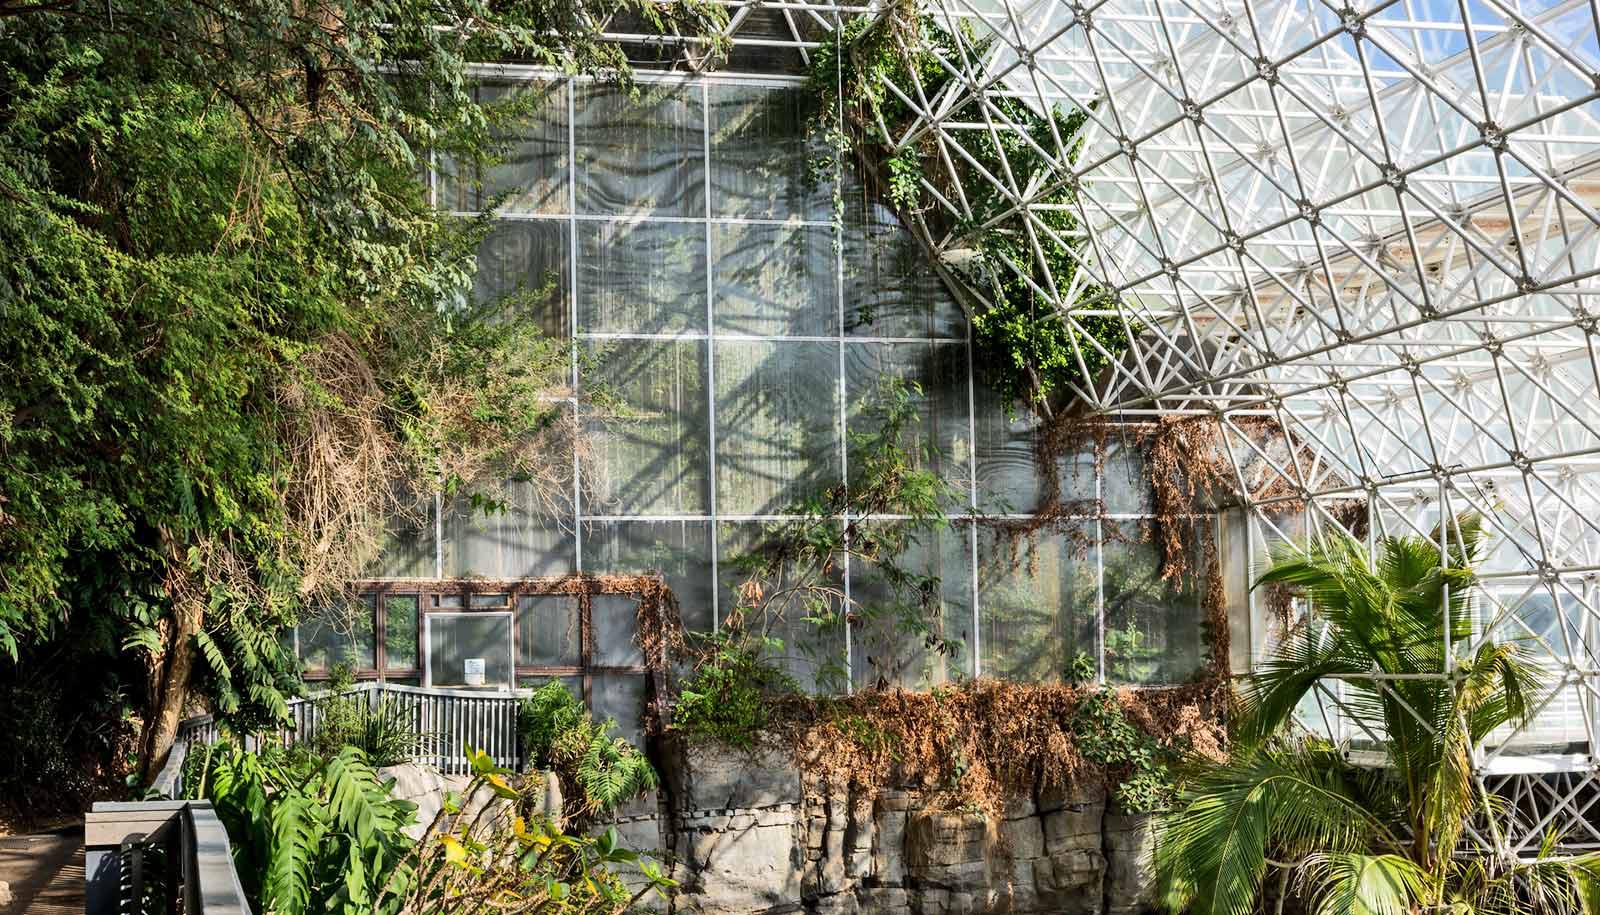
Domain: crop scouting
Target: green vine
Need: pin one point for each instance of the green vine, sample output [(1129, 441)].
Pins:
[(1028, 352), (1104, 735), (792, 571)]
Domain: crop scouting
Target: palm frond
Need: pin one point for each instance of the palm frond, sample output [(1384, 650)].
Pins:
[(1282, 680), (1347, 883), (1301, 799)]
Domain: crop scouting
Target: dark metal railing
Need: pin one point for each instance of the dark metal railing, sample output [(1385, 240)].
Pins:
[(159, 858)]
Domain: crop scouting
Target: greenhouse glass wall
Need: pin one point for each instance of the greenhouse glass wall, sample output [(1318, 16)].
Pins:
[(687, 242), (1360, 242)]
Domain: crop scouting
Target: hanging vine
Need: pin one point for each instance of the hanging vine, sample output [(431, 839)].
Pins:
[(1014, 262)]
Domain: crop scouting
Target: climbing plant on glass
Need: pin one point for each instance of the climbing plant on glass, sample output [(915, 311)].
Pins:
[(1028, 351), (792, 571)]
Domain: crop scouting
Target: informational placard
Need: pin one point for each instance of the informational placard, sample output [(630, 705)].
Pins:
[(472, 671)]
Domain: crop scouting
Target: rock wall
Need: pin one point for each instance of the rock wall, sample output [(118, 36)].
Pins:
[(748, 833)]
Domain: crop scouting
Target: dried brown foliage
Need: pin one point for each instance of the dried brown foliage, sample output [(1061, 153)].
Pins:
[(982, 741), (356, 463)]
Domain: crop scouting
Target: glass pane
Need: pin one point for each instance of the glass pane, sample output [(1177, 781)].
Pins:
[(1154, 630), (1532, 618), (1037, 599), (679, 550), (523, 262), (506, 538), (777, 423), (1009, 478), (891, 290), (643, 154), (760, 163), (616, 625), (455, 639), (547, 631), (812, 652), (621, 696), (641, 277), (1008, 474), (652, 449), (407, 550), (532, 174), (774, 280), (940, 371), (574, 684), (897, 639), (1126, 489), (340, 634), (400, 631)]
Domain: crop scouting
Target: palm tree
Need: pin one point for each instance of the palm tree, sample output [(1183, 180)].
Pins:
[(1378, 840)]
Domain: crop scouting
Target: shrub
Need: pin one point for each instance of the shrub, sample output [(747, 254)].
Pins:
[(481, 858), (308, 834), (384, 731), (598, 770), (551, 711), (53, 754), (312, 835), (1104, 735), (65, 729), (726, 698)]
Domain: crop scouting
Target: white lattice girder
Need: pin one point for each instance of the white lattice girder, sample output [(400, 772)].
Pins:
[(1377, 224)]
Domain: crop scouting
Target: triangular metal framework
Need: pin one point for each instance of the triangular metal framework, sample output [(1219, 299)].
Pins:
[(1376, 225)]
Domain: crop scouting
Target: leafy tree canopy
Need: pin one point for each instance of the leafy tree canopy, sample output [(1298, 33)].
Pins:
[(235, 330)]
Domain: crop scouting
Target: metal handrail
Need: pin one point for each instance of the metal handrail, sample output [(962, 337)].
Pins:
[(485, 719), (172, 856)]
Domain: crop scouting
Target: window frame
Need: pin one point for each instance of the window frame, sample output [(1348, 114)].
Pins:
[(456, 596)]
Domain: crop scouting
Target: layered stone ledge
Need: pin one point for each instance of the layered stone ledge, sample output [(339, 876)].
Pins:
[(747, 832)]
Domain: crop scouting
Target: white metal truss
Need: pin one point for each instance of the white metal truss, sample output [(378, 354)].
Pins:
[(1376, 225), (761, 36)]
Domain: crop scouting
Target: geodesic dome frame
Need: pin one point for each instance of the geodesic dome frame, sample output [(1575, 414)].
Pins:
[(1373, 226)]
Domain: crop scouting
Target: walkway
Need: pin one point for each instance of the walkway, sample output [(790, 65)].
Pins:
[(43, 871)]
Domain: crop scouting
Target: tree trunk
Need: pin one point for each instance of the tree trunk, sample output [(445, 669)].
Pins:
[(170, 687)]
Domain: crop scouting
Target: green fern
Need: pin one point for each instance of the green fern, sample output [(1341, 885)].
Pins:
[(598, 770), (309, 834), (612, 771)]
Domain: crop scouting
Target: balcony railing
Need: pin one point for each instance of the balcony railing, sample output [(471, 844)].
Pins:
[(159, 856), (447, 719)]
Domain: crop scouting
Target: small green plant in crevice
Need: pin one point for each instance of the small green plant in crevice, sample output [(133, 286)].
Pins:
[(727, 697), (598, 769), (1104, 735)]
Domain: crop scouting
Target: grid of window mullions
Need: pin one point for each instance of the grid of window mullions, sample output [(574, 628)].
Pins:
[(841, 339)]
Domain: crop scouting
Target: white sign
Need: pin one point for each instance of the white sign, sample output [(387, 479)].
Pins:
[(472, 671)]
